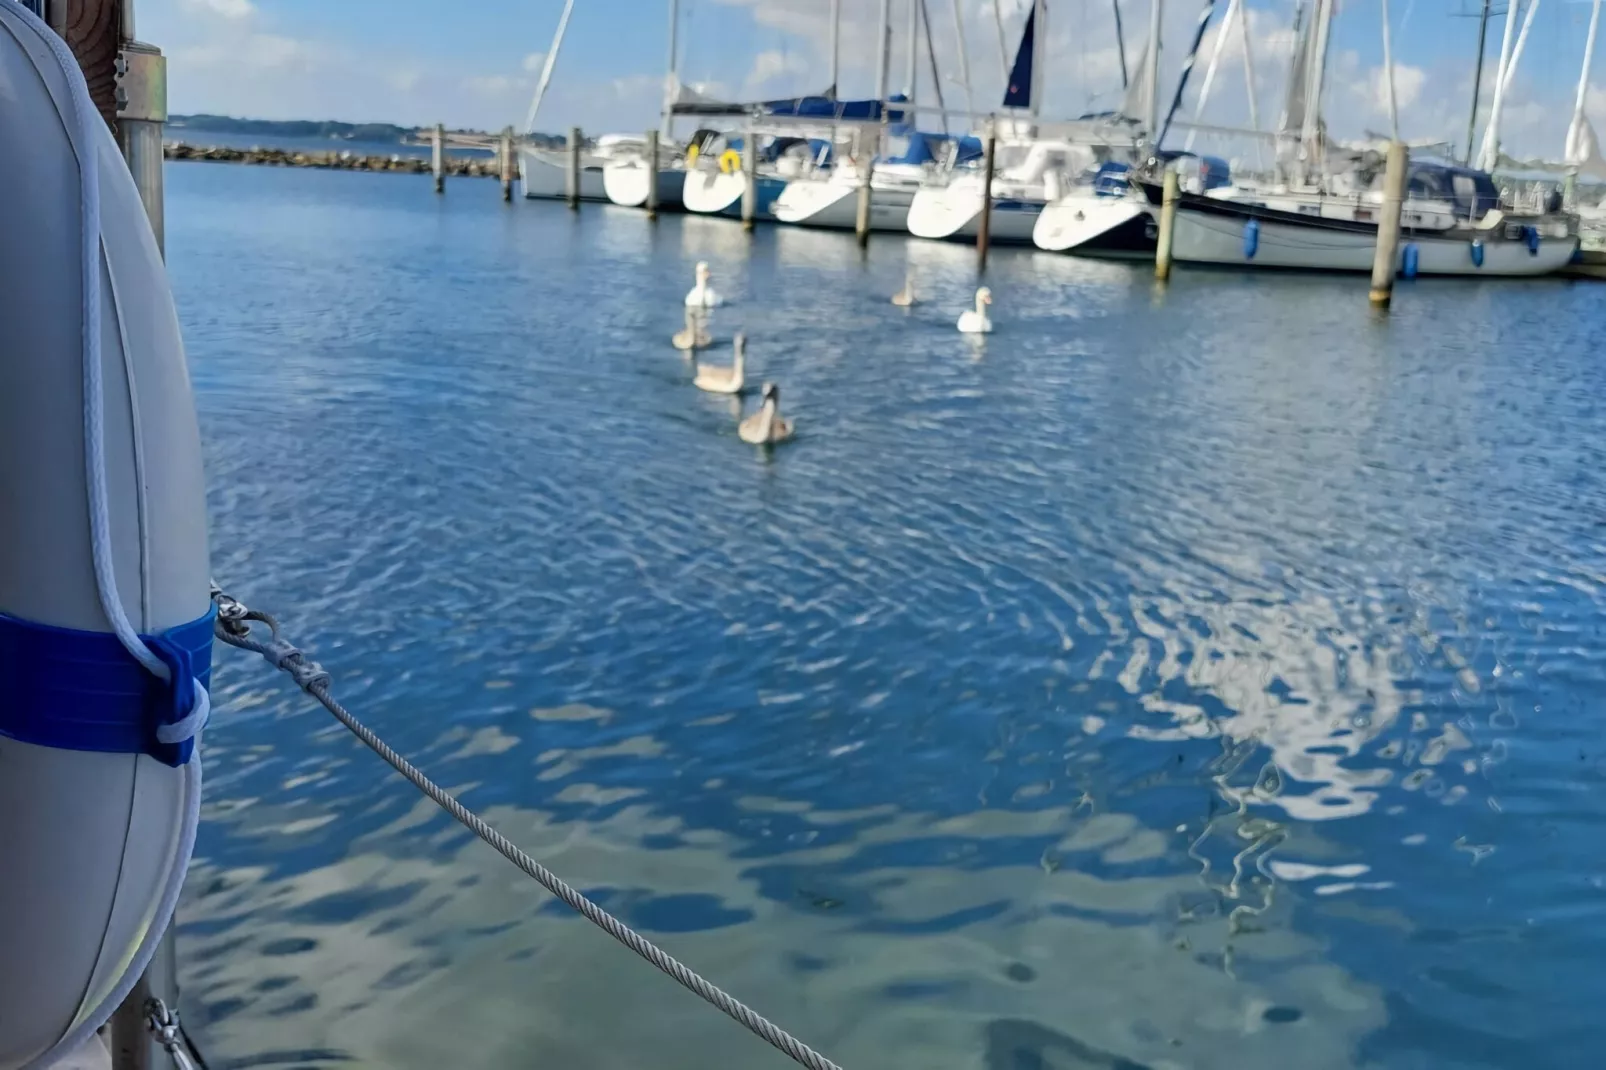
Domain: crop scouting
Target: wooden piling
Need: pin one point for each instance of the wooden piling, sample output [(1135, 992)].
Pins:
[(750, 172), (652, 174), (1168, 221), (574, 167), (507, 163), (1386, 260), (862, 165), (861, 220), (984, 230), (437, 156)]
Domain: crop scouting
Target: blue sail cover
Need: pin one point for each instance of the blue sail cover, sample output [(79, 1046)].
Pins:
[(919, 148), (1018, 94), (811, 107)]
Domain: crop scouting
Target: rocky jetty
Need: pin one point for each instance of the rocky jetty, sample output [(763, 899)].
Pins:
[(464, 166)]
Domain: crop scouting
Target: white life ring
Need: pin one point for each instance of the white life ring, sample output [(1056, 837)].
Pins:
[(100, 792)]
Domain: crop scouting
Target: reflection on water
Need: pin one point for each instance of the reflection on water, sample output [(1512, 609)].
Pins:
[(1186, 678)]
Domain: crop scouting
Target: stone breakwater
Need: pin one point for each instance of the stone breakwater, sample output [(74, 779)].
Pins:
[(472, 166)]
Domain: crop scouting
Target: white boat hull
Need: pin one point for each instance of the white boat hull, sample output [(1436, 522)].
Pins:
[(954, 213), (835, 205), (1087, 224), (626, 183), (1215, 239), (545, 176), (710, 192)]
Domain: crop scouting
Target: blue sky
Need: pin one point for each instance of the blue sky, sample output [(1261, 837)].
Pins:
[(475, 62)]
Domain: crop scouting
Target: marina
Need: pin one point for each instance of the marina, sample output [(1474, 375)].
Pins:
[(883, 731), (827, 580)]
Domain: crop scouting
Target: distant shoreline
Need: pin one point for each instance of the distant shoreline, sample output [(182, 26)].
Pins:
[(336, 160), (193, 128)]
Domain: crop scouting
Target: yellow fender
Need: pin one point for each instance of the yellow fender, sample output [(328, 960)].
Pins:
[(691, 155), (730, 161)]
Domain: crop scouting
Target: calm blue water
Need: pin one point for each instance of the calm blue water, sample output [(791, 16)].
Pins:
[(1202, 678)]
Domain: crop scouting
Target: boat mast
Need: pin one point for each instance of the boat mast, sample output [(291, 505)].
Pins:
[(546, 68), (911, 69), (672, 79), (964, 57), (1310, 133), (1153, 72), (1120, 41), (1388, 74), (1477, 81), (1575, 129), (882, 57), (836, 48), (1513, 10), (931, 56), (1039, 53), (1003, 45), (1490, 156), (1210, 70), (1249, 84)]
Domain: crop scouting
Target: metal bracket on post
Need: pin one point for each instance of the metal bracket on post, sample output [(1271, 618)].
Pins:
[(141, 114)]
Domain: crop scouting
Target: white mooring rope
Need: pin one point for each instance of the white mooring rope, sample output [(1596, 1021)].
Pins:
[(234, 627)]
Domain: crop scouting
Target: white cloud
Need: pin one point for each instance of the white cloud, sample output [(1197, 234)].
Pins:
[(1408, 83), (773, 64), (534, 62), (229, 9)]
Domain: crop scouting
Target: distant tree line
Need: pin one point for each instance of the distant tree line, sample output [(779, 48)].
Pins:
[(381, 133)]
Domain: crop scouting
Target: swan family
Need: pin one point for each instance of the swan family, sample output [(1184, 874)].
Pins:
[(767, 426)]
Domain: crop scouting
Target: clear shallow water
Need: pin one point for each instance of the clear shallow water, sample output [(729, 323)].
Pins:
[(1199, 679)]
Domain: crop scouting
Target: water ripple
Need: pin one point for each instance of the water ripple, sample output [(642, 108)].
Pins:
[(1197, 677)]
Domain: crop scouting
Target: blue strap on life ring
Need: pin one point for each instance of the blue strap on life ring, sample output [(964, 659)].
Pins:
[(82, 691)]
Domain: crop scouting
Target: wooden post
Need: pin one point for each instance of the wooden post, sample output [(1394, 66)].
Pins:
[(861, 219), (574, 167), (984, 231), (1386, 260), (95, 31), (750, 172), (1168, 221), (507, 163), (652, 174), (437, 156)]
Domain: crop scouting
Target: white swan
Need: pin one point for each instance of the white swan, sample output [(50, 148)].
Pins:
[(695, 335), (975, 321), (718, 380), (766, 426), (703, 295), (906, 296)]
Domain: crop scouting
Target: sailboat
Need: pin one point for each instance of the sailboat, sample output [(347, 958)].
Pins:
[(953, 210), (544, 173), (828, 196), (1101, 214), (716, 178), (1451, 224), (629, 175)]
